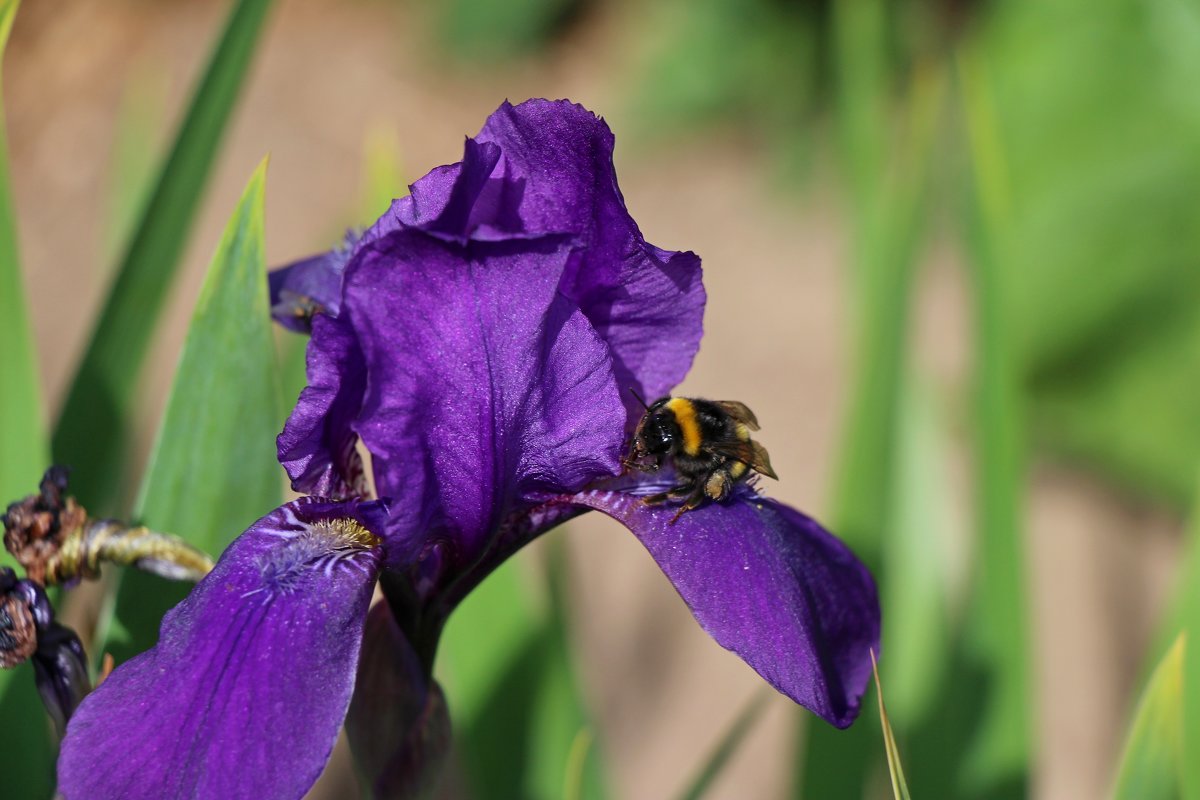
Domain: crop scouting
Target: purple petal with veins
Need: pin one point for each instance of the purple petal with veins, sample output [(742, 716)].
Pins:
[(245, 692)]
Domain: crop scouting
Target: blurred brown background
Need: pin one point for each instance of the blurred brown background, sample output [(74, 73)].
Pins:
[(330, 79)]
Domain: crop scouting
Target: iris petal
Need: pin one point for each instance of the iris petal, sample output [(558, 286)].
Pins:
[(486, 384), (245, 692), (645, 302), (770, 584), (536, 185), (317, 445)]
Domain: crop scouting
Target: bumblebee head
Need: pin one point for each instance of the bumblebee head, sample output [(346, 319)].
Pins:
[(658, 433)]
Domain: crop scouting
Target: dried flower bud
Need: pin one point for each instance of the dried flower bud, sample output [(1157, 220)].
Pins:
[(36, 527), (18, 631), (28, 632)]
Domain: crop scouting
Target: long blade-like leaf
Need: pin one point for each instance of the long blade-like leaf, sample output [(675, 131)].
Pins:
[(213, 469), (997, 627), (1150, 765), (92, 431), (895, 767), (889, 210), (918, 558), (725, 749), (26, 752)]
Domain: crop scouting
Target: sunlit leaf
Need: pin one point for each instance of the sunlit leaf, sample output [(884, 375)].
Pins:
[(213, 469), (1189, 615), (1150, 765), (93, 430)]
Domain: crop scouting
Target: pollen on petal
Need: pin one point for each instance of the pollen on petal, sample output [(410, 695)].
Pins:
[(319, 547)]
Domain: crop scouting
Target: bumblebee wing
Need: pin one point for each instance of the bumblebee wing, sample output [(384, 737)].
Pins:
[(739, 411), (748, 451)]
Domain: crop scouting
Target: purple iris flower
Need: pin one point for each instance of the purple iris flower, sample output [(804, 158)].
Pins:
[(480, 342)]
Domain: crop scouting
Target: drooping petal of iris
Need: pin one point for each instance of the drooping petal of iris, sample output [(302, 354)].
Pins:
[(247, 688)]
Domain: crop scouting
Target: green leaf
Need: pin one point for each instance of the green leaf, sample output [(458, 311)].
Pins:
[(213, 469), (1100, 121), (889, 221), (917, 559), (23, 450), (1189, 601), (1130, 414), (26, 750), (93, 430), (519, 716), (383, 173), (895, 767), (136, 150), (726, 748), (486, 30), (1153, 756), (27, 760), (997, 624)]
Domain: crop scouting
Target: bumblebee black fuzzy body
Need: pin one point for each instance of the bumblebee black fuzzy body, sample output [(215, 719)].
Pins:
[(707, 441)]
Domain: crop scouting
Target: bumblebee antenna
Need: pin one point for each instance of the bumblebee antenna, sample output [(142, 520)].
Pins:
[(639, 398)]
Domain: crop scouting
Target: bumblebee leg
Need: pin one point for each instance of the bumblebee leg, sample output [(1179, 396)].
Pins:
[(695, 499), (662, 497)]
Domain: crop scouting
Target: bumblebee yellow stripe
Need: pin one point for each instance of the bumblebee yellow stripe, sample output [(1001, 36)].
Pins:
[(685, 415)]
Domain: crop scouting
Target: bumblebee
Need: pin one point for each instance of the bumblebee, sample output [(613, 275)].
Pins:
[(707, 441)]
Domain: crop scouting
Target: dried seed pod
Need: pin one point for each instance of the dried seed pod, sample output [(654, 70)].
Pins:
[(51, 536)]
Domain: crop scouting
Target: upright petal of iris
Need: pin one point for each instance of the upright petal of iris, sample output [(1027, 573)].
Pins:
[(504, 387), (245, 692)]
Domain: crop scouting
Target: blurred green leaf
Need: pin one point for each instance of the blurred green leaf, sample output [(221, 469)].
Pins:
[(1100, 119), (383, 173), (917, 559), (997, 622), (888, 220), (93, 429), (292, 350), (488, 30), (26, 750), (1131, 414), (1150, 765), (516, 701), (1188, 608), (213, 469), (720, 63), (717, 760), (136, 144)]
